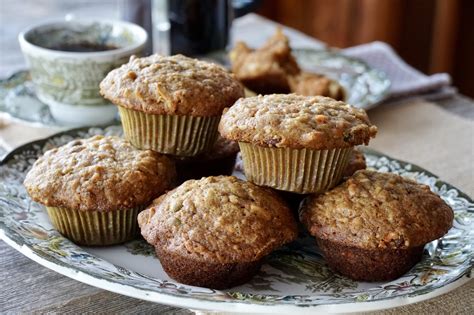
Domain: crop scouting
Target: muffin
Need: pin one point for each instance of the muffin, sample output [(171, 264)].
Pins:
[(374, 226), (266, 69), (295, 143), (93, 189), (220, 160), (356, 162), (306, 83), (171, 104), (272, 68), (216, 231)]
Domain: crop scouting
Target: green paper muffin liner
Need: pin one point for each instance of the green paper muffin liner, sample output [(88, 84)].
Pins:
[(95, 227), (169, 134), (302, 171)]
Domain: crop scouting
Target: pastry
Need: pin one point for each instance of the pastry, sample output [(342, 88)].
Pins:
[(356, 162), (266, 69), (273, 69), (295, 143), (306, 83), (216, 231), (171, 104), (374, 226), (94, 188)]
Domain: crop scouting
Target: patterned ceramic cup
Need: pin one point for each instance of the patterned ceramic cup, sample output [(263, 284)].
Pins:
[(67, 79)]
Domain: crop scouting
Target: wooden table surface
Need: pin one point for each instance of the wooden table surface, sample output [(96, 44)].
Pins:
[(31, 288)]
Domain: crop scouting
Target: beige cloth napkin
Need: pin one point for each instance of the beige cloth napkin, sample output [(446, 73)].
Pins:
[(14, 133), (424, 134), (405, 80)]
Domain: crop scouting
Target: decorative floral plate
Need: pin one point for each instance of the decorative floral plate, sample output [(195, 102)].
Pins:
[(366, 87), (294, 279), (18, 99)]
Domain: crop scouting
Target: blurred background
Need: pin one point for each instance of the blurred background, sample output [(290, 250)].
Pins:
[(431, 35)]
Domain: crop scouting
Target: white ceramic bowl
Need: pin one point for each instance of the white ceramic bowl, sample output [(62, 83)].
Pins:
[(69, 81)]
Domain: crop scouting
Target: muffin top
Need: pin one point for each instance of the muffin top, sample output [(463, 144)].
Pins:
[(172, 85), (296, 121), (266, 69), (220, 219), (373, 210), (306, 83), (99, 173)]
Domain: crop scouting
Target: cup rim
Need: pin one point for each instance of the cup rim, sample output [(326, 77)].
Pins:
[(136, 29)]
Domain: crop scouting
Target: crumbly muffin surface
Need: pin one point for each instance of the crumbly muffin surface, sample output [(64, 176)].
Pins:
[(266, 69), (296, 121), (172, 85), (272, 68), (307, 83), (219, 219), (99, 173), (373, 210)]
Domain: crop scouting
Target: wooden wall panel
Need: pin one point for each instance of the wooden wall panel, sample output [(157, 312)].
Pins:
[(431, 35), (320, 16), (416, 33), (463, 71), (376, 20), (315, 18), (445, 31)]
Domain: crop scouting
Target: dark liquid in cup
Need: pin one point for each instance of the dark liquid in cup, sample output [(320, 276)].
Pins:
[(82, 47)]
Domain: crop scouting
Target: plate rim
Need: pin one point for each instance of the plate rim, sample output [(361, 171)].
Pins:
[(239, 306), (234, 307), (384, 96), (32, 123)]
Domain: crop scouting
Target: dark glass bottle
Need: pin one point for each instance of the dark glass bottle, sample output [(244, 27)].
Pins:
[(198, 27)]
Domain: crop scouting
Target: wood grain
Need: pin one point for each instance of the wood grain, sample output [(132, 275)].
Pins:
[(444, 36), (28, 287), (376, 20), (463, 72)]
